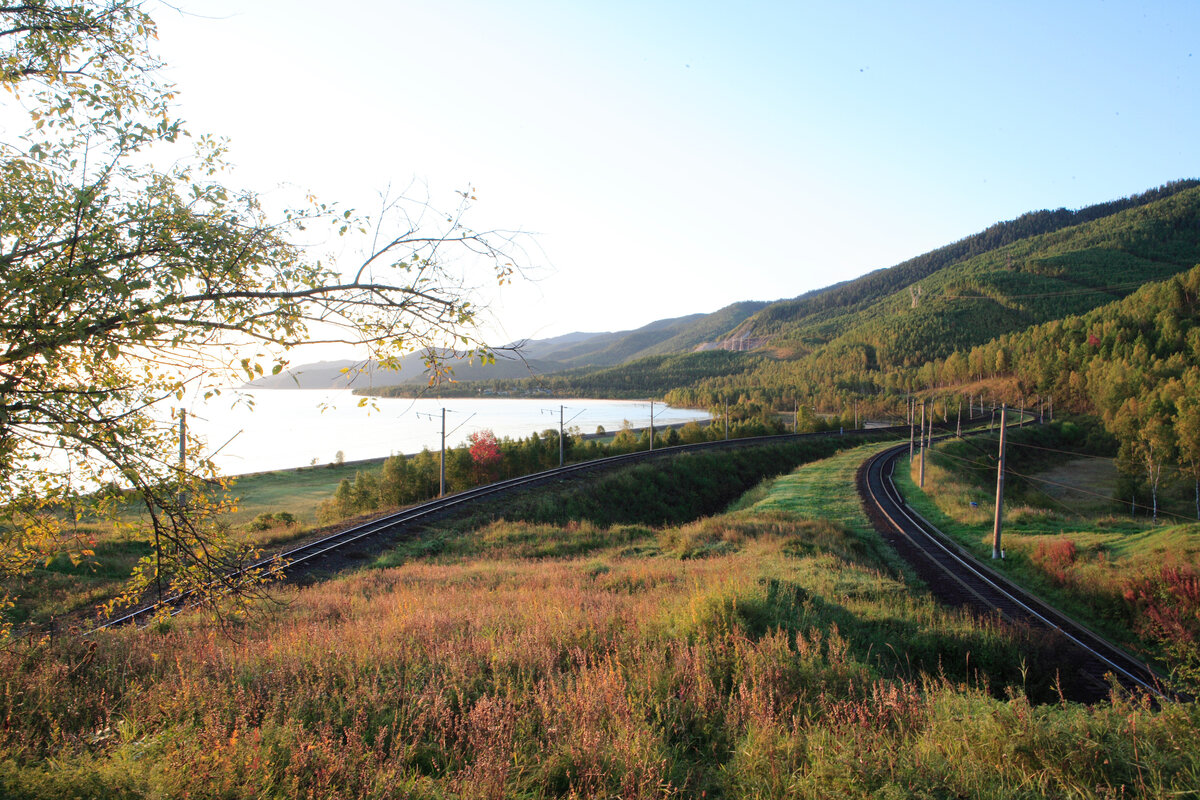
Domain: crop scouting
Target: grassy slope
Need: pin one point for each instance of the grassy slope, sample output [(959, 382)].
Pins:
[(1019, 284), (298, 491), (1087, 579), (766, 652)]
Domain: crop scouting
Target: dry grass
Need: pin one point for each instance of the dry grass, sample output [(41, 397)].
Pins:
[(756, 654)]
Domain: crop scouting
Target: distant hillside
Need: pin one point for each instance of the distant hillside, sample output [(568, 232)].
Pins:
[(816, 313), (662, 337), (652, 376), (532, 358), (364, 377), (849, 338)]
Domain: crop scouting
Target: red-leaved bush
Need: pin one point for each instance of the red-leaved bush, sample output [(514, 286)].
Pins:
[(485, 454), (1055, 558)]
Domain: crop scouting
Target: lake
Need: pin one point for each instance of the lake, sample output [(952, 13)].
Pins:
[(282, 429)]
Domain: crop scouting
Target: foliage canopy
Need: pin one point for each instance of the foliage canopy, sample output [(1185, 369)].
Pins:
[(130, 273)]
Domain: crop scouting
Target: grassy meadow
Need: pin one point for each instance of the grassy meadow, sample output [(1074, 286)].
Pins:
[(296, 491), (68, 586), (773, 650)]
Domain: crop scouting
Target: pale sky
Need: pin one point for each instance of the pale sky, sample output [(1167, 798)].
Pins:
[(672, 158)]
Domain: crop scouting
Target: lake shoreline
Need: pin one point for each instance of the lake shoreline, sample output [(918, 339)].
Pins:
[(377, 461), (266, 431)]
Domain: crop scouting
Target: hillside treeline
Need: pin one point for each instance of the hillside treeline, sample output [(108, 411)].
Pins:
[(404, 480), (1135, 363), (856, 295)]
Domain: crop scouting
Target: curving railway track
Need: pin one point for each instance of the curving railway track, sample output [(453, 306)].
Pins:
[(958, 578), (312, 553), (953, 575)]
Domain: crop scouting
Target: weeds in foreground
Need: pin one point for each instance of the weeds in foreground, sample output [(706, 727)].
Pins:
[(756, 654)]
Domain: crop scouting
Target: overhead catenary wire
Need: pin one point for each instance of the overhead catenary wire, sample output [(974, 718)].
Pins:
[(1035, 479), (1061, 452), (1027, 479)]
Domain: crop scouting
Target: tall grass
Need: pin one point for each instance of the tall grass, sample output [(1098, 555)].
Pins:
[(766, 652)]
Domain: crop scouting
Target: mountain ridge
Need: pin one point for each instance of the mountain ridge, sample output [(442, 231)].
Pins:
[(916, 310)]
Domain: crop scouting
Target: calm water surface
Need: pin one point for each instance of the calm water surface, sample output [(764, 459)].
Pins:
[(281, 429)]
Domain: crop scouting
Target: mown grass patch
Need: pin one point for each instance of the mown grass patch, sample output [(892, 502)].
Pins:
[(819, 491), (297, 491)]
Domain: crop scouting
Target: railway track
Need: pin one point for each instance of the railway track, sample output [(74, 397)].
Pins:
[(311, 553), (958, 578)]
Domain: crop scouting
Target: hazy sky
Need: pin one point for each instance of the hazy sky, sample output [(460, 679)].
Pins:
[(675, 157)]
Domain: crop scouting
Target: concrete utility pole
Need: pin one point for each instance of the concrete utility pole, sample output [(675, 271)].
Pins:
[(958, 431), (922, 481), (562, 429), (651, 425), (442, 478), (796, 418), (929, 428), (912, 428), (997, 552), (856, 413), (726, 419)]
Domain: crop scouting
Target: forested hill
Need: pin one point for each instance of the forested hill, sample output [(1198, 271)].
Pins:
[(533, 359), (853, 339), (1010, 288), (811, 314), (662, 337)]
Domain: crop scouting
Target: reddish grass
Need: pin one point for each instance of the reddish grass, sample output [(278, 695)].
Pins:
[(1055, 558), (604, 676)]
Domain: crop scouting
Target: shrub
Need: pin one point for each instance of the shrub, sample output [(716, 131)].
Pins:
[(1055, 558)]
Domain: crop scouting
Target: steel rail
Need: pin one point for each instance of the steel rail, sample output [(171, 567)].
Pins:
[(280, 563), (1009, 600)]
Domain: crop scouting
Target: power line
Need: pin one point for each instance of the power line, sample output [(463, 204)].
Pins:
[(1063, 452), (1033, 479), (1161, 512)]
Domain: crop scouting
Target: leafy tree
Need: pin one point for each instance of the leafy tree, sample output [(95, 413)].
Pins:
[(1187, 429), (365, 493), (485, 454), (124, 283), (1148, 441), (396, 484)]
